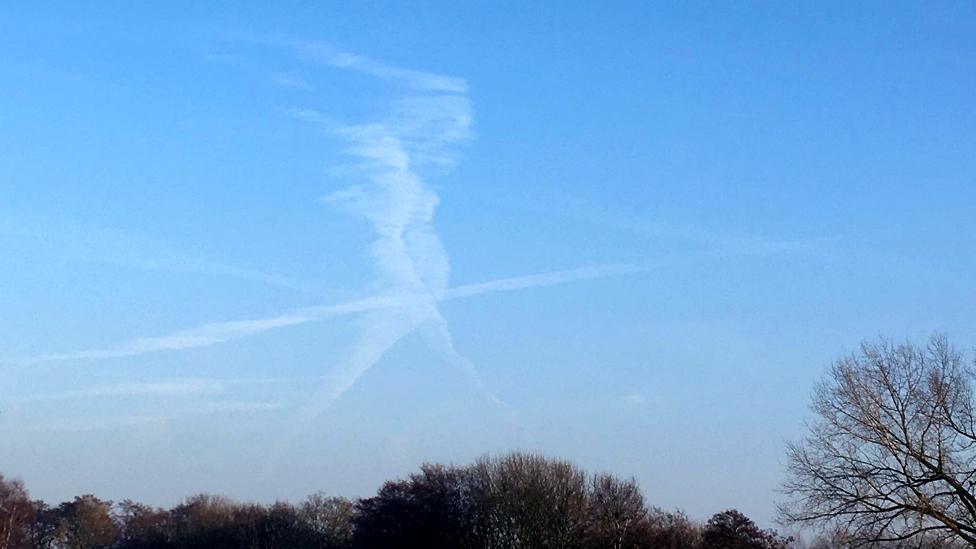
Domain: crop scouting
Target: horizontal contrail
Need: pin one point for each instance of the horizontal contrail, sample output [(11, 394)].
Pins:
[(551, 278), (219, 332), (164, 388)]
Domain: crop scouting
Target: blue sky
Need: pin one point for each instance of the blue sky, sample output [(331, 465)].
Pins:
[(267, 251)]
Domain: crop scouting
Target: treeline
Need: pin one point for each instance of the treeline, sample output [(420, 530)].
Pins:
[(516, 501), (513, 501)]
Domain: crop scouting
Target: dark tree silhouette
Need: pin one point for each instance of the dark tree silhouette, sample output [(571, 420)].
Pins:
[(733, 530), (142, 526), (432, 509), (669, 530), (43, 530), (514, 501)]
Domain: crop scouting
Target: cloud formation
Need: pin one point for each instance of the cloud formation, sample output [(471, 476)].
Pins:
[(388, 158)]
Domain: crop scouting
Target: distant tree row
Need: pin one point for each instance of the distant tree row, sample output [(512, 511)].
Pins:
[(514, 501)]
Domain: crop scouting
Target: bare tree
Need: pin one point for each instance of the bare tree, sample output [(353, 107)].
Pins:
[(528, 500), (671, 530), (15, 513), (614, 513), (204, 520), (891, 455), (329, 519)]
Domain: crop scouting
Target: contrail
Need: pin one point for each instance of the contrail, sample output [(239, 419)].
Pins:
[(327, 55), (421, 130), (215, 333), (167, 388), (408, 254), (423, 127)]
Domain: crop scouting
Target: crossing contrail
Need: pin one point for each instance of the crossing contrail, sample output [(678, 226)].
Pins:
[(216, 333)]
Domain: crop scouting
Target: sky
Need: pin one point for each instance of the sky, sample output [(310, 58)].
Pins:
[(269, 250)]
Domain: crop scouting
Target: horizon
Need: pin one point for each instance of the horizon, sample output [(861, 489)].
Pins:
[(308, 248)]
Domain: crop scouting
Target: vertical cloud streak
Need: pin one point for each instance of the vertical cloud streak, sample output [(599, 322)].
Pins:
[(408, 255)]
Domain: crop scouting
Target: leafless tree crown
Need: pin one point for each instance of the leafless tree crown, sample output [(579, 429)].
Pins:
[(891, 454)]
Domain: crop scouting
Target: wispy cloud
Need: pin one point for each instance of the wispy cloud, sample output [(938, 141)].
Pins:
[(327, 55), (324, 54), (289, 81), (169, 388), (134, 421), (67, 239), (236, 407), (408, 255), (164, 388), (202, 336), (96, 423), (710, 242)]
